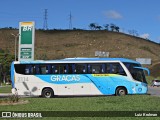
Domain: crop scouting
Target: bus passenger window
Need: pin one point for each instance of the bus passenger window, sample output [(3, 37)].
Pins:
[(43, 69), (27, 71), (56, 71), (69, 69), (72, 66), (63, 69), (108, 68), (95, 68), (30, 69), (60, 69), (20, 68), (103, 68), (48, 69), (80, 68), (37, 69), (115, 68), (84, 69)]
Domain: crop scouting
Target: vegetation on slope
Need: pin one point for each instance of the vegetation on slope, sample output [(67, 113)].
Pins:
[(55, 44)]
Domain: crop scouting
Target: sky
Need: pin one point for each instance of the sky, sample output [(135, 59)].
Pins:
[(142, 16)]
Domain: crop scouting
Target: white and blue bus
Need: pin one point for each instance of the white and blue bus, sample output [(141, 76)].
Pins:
[(78, 76)]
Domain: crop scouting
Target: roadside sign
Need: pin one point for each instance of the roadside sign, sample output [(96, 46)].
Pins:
[(101, 54), (26, 53), (146, 61), (26, 41)]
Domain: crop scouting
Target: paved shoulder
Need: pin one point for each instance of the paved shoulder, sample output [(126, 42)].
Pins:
[(2, 95), (155, 91)]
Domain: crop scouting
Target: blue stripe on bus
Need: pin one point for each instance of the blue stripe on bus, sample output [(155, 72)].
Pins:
[(106, 85), (12, 75)]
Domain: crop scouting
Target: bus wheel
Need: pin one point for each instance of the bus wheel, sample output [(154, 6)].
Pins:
[(47, 93), (120, 91)]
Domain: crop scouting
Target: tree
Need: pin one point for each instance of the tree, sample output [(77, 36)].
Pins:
[(5, 62), (92, 26), (117, 28), (112, 26), (133, 32), (98, 27), (106, 26)]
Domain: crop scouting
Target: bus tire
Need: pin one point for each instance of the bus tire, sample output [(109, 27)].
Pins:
[(121, 91), (47, 93)]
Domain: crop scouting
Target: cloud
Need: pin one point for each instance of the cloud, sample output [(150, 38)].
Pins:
[(145, 36), (113, 14)]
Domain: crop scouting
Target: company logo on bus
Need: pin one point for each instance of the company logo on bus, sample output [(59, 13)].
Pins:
[(140, 89), (67, 78)]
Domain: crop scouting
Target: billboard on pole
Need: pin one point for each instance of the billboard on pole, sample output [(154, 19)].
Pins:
[(26, 41), (147, 61)]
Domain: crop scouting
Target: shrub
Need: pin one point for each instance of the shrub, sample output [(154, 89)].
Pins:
[(14, 98)]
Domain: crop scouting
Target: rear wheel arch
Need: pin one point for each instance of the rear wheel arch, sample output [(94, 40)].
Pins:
[(121, 90), (47, 92)]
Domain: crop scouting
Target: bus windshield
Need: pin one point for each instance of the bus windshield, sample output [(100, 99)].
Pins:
[(137, 74)]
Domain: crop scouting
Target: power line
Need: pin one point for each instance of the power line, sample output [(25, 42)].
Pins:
[(45, 24)]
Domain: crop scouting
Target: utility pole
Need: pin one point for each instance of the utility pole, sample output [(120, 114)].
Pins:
[(70, 21), (15, 46), (45, 24)]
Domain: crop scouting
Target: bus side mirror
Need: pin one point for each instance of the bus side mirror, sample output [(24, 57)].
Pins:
[(145, 69)]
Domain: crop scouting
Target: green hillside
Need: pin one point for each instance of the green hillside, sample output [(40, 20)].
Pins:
[(53, 44)]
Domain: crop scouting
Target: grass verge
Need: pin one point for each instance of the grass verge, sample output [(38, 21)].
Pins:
[(104, 103), (5, 89)]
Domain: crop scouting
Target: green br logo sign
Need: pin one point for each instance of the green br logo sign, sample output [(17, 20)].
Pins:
[(26, 41), (26, 34)]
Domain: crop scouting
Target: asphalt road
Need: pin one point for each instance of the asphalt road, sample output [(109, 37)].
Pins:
[(155, 91)]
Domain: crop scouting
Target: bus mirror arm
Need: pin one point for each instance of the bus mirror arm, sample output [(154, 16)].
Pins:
[(142, 68)]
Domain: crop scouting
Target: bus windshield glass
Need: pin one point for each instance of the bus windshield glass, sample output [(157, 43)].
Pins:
[(137, 74)]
